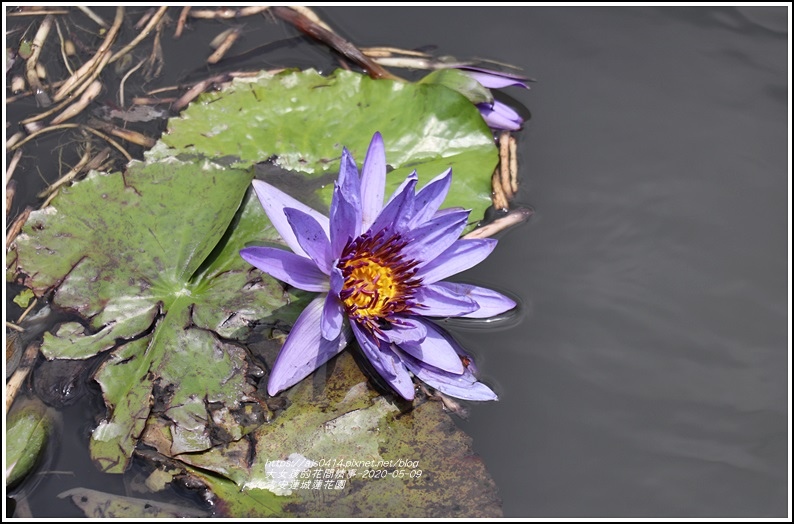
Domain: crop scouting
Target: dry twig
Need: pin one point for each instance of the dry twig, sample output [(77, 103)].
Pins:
[(124, 134), (504, 164), (63, 49), (12, 165), (231, 36), (151, 101), (18, 378), (197, 89), (143, 34), (124, 80), (93, 16), (331, 39), (30, 65), (384, 52), (39, 13), (226, 13), (11, 189), (514, 217), (513, 165), (498, 197), (180, 24), (98, 61), (72, 126), (92, 91), (93, 164), (68, 176), (24, 94), (89, 80), (16, 226), (27, 310)]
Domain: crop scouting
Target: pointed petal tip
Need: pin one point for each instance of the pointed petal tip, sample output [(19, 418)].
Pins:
[(274, 389), (405, 390)]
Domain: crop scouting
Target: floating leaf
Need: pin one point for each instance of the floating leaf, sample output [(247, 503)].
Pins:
[(98, 504), (131, 265), (393, 459), (24, 297), (303, 119), (26, 437), (459, 81)]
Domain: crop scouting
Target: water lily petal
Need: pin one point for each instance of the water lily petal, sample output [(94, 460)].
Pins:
[(398, 211), (491, 302), (350, 184), (436, 300), (447, 211), (305, 349), (274, 201), (293, 269), (337, 280), (311, 237), (460, 256), (435, 236), (404, 330), (429, 198), (333, 317), (373, 181), (371, 348), (463, 385), (500, 116), (435, 350), (345, 222), (495, 79), (386, 362), (348, 178)]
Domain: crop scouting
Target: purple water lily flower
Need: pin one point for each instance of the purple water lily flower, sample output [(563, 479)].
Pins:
[(500, 116), (497, 115), (379, 270)]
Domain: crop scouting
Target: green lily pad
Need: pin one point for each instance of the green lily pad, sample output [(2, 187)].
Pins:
[(303, 119), (343, 449), (462, 83), (27, 433), (131, 265)]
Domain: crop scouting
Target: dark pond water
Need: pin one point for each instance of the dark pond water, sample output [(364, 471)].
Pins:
[(648, 375)]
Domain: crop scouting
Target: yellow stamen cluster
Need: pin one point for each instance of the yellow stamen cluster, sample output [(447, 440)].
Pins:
[(373, 287), (379, 282)]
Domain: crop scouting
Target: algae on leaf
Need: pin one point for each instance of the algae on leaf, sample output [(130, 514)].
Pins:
[(124, 252), (393, 458)]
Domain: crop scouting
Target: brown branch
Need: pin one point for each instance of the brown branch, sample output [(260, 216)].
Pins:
[(16, 226), (124, 134), (226, 13), (331, 39), (143, 34), (180, 24), (513, 165), (18, 378), (30, 65), (229, 39), (514, 217), (96, 61), (196, 90), (92, 91)]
